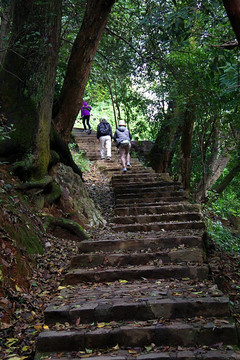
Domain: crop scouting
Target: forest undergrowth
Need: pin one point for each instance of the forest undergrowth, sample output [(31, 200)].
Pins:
[(21, 307)]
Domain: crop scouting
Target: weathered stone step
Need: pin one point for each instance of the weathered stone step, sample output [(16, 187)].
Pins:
[(153, 193), (150, 200), (156, 218), (135, 171), (140, 242), (76, 276), (152, 176), (142, 189), (174, 333), (135, 209), (159, 176), (138, 258), (125, 299), (120, 180), (173, 354), (149, 309), (167, 226)]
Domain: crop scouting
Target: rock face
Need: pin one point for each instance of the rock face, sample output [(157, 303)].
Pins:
[(76, 199), (142, 148)]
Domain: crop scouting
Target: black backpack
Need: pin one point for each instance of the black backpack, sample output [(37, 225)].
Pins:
[(104, 128)]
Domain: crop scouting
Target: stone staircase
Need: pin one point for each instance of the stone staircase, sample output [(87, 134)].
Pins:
[(141, 289), (89, 144)]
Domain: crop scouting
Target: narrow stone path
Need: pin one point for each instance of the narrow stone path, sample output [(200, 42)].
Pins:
[(142, 289)]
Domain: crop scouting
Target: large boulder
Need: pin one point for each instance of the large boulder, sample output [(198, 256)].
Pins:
[(75, 200)]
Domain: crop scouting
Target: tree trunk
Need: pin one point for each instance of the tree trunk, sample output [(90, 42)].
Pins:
[(228, 178), (84, 49), (233, 11), (27, 83), (4, 31), (218, 161), (186, 147), (162, 152), (116, 98), (113, 105)]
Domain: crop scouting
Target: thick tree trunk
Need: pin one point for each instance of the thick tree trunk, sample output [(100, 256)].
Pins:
[(84, 49), (217, 163), (186, 147), (4, 31), (228, 178), (233, 11), (27, 83), (162, 152)]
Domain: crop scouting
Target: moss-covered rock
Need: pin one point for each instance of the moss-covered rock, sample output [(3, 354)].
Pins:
[(66, 224)]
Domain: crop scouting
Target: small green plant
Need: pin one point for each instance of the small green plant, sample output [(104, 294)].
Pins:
[(79, 158), (223, 237)]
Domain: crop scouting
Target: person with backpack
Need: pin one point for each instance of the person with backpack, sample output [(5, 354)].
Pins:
[(85, 115), (104, 136), (123, 138)]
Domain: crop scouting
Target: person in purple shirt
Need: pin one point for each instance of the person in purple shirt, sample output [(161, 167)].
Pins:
[(85, 115)]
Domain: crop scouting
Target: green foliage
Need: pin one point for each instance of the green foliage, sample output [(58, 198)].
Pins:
[(222, 236), (228, 203), (79, 158), (5, 132)]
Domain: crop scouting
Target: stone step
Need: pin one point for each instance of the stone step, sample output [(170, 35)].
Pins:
[(145, 181), (138, 258), (140, 242), (160, 200), (166, 226), (156, 218), (130, 301), (172, 333), (201, 353), (160, 176), (135, 171), (151, 192), (157, 209), (146, 187), (76, 276), (150, 203)]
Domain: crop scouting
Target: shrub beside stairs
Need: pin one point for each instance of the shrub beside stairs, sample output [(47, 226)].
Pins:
[(142, 289)]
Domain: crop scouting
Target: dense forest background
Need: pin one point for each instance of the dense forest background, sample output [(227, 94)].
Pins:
[(169, 68)]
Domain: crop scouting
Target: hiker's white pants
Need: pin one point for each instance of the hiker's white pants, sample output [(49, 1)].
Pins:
[(105, 142)]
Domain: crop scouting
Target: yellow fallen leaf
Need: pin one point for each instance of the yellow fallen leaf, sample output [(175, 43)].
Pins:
[(61, 287), (18, 288), (25, 348), (101, 325), (38, 327), (132, 351), (123, 281), (116, 347), (45, 327)]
